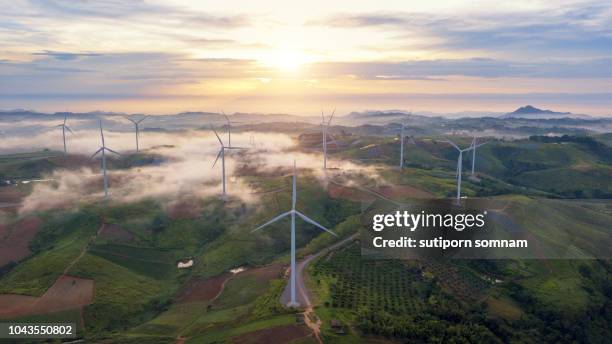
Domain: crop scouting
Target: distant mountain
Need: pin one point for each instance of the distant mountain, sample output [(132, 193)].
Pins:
[(535, 113)]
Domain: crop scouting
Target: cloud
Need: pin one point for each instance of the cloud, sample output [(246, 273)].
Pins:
[(126, 74), (472, 67), (360, 20), (66, 56), (574, 30), (140, 11)]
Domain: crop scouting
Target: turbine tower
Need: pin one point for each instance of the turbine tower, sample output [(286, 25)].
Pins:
[(102, 151), (222, 155), (324, 128), (459, 167), (64, 128), (402, 146), (137, 128), (402, 142), (293, 212), (474, 145)]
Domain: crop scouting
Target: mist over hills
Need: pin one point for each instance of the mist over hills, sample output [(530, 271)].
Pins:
[(530, 111), (527, 120)]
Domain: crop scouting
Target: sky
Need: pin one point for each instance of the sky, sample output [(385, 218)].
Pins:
[(300, 57)]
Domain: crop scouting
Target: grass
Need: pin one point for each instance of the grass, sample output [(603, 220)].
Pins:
[(557, 284), (70, 316), (150, 262), (216, 335), (240, 291), (504, 307), (35, 275), (122, 297)]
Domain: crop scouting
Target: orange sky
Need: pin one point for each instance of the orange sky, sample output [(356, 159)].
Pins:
[(272, 56)]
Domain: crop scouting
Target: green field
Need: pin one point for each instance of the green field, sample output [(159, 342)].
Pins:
[(555, 189)]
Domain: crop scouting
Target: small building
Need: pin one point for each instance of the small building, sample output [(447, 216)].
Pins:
[(185, 263)]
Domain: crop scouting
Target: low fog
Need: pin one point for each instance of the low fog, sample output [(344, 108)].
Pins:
[(183, 169)]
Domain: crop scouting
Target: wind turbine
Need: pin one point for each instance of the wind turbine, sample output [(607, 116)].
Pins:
[(222, 155), (324, 128), (229, 128), (293, 212), (64, 128), (103, 150), (459, 167), (402, 139), (474, 145), (137, 129)]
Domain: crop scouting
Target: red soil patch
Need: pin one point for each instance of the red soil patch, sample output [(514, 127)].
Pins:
[(197, 290), (184, 209), (281, 334), (66, 293), (201, 290), (115, 233), (403, 191), (265, 273), (343, 192), (10, 194), (14, 240)]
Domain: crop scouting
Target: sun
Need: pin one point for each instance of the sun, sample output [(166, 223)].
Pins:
[(288, 61)]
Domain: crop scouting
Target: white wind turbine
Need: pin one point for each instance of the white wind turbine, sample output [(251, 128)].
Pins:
[(293, 212), (137, 128), (324, 128), (402, 139), (229, 128), (64, 128), (222, 155), (459, 167), (103, 150), (474, 145)]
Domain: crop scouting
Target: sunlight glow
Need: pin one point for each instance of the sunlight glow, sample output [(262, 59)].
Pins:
[(288, 61)]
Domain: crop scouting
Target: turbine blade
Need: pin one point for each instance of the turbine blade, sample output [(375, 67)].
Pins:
[(112, 151), (218, 155), (272, 221), (217, 135), (70, 130), (481, 144), (452, 143), (142, 119), (294, 190), (101, 133), (331, 117), (96, 153), (129, 119), (313, 222)]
